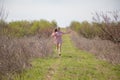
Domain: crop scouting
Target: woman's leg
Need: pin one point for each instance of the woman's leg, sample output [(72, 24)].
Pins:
[(59, 48)]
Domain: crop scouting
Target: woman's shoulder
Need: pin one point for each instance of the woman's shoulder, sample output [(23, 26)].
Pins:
[(60, 32)]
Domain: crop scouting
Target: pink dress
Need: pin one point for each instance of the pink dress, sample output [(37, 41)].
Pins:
[(57, 37)]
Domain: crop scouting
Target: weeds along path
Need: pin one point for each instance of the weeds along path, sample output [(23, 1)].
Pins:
[(72, 65)]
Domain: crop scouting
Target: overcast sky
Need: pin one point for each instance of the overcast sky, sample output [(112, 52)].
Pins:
[(63, 11)]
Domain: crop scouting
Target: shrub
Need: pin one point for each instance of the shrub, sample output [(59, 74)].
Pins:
[(105, 25), (15, 54), (110, 25), (18, 45), (26, 28), (85, 29), (102, 49)]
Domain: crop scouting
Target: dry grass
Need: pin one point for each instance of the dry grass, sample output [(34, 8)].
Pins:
[(103, 49), (15, 53)]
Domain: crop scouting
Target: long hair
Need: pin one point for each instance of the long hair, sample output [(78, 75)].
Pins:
[(55, 30)]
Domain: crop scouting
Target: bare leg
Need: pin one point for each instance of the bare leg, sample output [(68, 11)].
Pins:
[(57, 47), (60, 48)]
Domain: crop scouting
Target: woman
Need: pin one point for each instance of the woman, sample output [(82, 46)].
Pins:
[(57, 34)]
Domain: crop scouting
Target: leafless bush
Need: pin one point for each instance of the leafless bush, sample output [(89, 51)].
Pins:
[(3, 12), (15, 54), (3, 17), (103, 49), (110, 25)]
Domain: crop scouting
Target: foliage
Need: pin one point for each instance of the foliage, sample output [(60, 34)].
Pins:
[(85, 29), (104, 26), (74, 64), (16, 53), (75, 25), (109, 25), (27, 28), (102, 49), (21, 41)]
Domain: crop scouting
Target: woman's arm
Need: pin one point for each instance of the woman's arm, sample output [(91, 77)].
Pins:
[(53, 34), (66, 32)]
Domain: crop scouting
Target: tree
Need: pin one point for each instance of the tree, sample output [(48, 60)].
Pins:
[(3, 16), (110, 28), (54, 23), (3, 12)]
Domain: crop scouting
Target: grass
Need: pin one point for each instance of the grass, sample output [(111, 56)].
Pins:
[(38, 70), (74, 64)]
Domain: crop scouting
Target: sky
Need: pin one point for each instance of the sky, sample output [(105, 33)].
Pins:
[(62, 11)]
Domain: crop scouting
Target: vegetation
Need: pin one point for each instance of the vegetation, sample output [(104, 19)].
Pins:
[(21, 41), (26, 28), (26, 50), (100, 37), (104, 26), (73, 64), (85, 29)]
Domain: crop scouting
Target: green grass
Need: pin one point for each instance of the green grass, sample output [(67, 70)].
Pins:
[(74, 64), (38, 70)]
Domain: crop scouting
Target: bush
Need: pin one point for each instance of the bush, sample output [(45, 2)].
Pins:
[(104, 26), (42, 27), (84, 29), (110, 32), (20, 42), (75, 25), (26, 28), (15, 54), (109, 25), (102, 49), (101, 37)]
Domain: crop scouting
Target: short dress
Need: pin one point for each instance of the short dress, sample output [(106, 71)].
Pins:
[(58, 37)]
